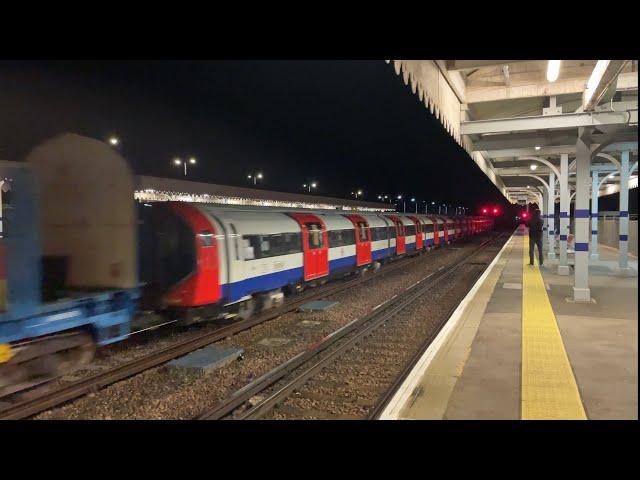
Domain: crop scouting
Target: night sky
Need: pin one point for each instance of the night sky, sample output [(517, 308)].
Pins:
[(344, 124)]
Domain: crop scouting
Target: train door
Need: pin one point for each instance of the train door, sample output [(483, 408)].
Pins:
[(445, 230), (436, 231), (400, 240), (315, 245), (418, 225), (363, 239)]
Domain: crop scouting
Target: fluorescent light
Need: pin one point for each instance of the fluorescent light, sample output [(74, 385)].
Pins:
[(537, 147), (553, 70), (594, 80), (533, 166)]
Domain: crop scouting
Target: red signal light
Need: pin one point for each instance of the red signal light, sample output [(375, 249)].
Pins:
[(484, 210), (525, 214), (495, 211)]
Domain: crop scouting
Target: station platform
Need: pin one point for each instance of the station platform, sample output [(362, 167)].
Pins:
[(518, 347)]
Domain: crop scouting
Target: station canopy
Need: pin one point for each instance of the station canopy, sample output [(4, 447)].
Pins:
[(157, 189), (516, 118)]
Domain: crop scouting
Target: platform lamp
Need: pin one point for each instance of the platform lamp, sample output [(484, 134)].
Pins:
[(310, 185), (255, 176), (178, 162), (404, 203), (413, 199)]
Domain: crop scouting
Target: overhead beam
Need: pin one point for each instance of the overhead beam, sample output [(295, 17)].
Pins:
[(558, 150), (604, 74), (466, 65), (543, 139), (567, 120), (542, 88)]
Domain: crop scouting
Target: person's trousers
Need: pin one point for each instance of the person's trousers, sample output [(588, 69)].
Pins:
[(532, 243)]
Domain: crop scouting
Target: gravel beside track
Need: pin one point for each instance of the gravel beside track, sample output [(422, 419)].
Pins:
[(160, 393)]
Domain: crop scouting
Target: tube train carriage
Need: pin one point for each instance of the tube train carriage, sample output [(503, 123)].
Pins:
[(205, 260)]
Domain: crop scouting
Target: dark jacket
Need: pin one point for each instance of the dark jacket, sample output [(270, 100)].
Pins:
[(535, 227)]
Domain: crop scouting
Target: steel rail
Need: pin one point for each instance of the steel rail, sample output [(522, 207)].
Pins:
[(368, 323), (384, 400)]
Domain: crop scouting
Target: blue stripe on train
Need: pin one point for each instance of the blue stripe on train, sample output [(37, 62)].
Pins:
[(236, 290), (272, 281)]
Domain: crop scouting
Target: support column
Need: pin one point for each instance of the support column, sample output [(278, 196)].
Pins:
[(623, 243), (543, 215), (563, 267), (595, 184), (551, 229), (581, 291)]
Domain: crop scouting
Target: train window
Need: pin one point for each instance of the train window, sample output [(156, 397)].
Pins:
[(282, 244), (378, 233), (392, 231), (411, 230), (362, 232), (265, 246), (206, 238), (428, 228), (314, 231), (341, 238)]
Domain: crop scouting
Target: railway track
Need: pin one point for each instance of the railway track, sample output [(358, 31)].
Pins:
[(315, 375), (35, 402)]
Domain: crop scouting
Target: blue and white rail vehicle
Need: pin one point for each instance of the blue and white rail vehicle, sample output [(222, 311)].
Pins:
[(52, 315)]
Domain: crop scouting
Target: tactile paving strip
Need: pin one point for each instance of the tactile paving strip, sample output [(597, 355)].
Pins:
[(549, 389)]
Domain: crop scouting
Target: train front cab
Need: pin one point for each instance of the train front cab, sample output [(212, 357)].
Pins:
[(186, 263)]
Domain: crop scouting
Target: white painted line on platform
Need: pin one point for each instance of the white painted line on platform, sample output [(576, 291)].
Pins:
[(402, 395)]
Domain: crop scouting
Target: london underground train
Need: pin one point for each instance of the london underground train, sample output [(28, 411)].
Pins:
[(206, 260)]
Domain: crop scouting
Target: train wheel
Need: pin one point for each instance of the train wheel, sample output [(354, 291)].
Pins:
[(246, 309), (296, 288)]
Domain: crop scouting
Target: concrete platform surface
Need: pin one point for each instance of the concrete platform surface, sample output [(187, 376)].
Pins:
[(475, 368)]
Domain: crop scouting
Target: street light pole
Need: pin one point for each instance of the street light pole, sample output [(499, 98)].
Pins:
[(310, 185), (178, 161), (255, 176)]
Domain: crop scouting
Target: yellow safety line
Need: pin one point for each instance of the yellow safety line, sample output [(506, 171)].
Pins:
[(549, 389)]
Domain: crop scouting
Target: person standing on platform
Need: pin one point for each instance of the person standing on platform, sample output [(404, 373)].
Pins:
[(535, 236)]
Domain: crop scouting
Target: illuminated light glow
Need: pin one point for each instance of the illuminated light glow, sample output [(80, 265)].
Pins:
[(533, 166), (594, 80), (537, 147), (248, 176), (192, 160), (314, 185), (144, 196), (399, 197), (177, 161), (114, 141), (413, 199), (553, 70), (259, 175)]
